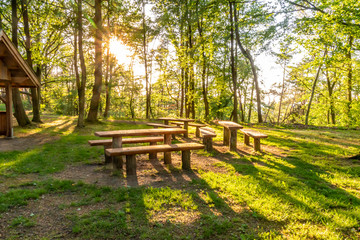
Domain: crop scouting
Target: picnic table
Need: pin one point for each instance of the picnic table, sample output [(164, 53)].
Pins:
[(118, 135), (186, 122), (230, 133)]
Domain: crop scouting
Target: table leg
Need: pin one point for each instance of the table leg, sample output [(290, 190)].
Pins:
[(233, 138), (226, 137), (167, 155), (186, 127), (246, 140), (197, 134), (185, 159), (257, 144), (130, 165), (152, 155), (117, 160), (166, 122)]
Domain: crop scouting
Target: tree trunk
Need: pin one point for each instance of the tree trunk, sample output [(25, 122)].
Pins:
[(251, 101), (330, 92), (19, 111), (349, 83), (147, 84), (282, 93), (81, 86), (233, 65), (247, 54), (95, 100), (313, 91), (34, 91)]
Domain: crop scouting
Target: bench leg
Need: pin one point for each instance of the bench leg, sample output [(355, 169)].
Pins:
[(208, 144), (226, 137), (130, 165), (246, 140), (257, 144), (118, 160), (233, 139), (108, 159), (153, 155), (197, 134), (186, 127), (167, 155), (185, 158)]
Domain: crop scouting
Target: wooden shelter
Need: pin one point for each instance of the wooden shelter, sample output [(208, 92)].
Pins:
[(14, 73)]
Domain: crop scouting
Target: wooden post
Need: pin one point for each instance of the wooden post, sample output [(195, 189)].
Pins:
[(185, 158), (152, 155), (166, 122), (257, 144), (226, 136), (208, 144), (9, 112), (197, 134), (167, 155), (246, 140), (186, 127), (117, 160), (130, 165), (233, 139), (108, 159)]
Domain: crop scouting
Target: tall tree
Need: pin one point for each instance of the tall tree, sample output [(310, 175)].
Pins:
[(19, 111), (95, 100), (233, 63)]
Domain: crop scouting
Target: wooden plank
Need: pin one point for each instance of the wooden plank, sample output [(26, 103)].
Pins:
[(153, 149), (140, 132), (229, 124), (102, 142), (9, 111), (205, 133), (209, 129), (161, 125), (176, 119), (253, 133)]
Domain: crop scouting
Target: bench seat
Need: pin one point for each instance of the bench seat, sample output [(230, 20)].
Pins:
[(197, 125), (131, 152), (208, 134), (156, 125), (108, 142), (254, 134)]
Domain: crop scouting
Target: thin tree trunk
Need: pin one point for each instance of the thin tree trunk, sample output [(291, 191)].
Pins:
[(330, 92), (233, 65), (34, 91), (19, 111), (247, 54), (147, 85), (282, 93), (251, 101), (95, 100), (349, 83), (81, 87), (313, 90)]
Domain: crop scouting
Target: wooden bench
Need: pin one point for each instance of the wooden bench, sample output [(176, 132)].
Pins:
[(130, 153), (208, 134), (254, 134), (107, 143), (197, 125)]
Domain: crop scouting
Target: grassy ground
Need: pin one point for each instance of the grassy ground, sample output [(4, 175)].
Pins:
[(301, 187)]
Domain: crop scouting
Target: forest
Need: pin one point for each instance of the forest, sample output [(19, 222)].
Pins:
[(200, 59)]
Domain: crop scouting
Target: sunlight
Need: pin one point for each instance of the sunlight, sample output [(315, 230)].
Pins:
[(120, 51)]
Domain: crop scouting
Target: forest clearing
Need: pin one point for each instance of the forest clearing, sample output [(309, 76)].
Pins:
[(303, 185), (179, 119)]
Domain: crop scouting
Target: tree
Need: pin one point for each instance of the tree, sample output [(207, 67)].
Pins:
[(95, 100)]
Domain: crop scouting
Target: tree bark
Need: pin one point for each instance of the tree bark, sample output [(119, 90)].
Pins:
[(34, 91), (349, 82), (233, 65), (282, 92), (19, 111), (95, 100), (247, 54), (330, 92), (313, 90), (147, 84), (82, 84)]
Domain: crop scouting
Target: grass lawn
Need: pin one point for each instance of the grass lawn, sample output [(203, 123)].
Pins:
[(302, 186)]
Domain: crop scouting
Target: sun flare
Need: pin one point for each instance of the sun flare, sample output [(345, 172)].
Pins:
[(120, 51)]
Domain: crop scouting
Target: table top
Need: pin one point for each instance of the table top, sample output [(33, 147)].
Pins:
[(139, 132), (229, 124), (177, 119)]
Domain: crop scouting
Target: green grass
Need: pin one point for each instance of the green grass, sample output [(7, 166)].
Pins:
[(305, 189)]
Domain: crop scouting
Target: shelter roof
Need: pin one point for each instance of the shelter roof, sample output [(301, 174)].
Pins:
[(13, 67)]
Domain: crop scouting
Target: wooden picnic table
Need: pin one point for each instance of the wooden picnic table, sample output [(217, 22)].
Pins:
[(185, 120), (117, 136), (230, 133)]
